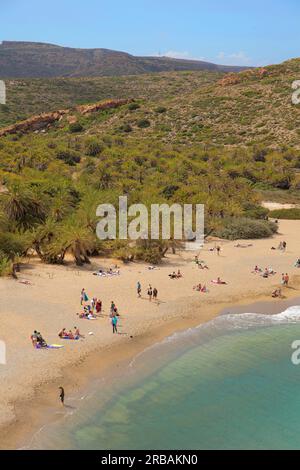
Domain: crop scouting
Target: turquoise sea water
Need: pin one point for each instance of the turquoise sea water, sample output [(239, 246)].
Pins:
[(229, 384)]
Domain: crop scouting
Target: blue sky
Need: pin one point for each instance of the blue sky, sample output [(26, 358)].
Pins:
[(241, 32)]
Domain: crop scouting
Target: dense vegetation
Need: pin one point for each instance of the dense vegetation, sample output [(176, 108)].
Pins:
[(186, 139), (288, 214)]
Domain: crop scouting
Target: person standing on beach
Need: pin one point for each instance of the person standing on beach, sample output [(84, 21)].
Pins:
[(150, 292), (83, 296), (98, 306), (62, 395), (114, 322), (112, 307), (218, 248), (155, 293), (139, 289)]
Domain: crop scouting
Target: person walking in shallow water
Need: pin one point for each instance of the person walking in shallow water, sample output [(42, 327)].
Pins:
[(62, 395)]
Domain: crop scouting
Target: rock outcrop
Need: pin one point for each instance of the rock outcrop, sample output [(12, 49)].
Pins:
[(236, 78), (45, 120)]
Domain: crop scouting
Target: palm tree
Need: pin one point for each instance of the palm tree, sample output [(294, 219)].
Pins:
[(22, 206), (76, 239), (61, 205)]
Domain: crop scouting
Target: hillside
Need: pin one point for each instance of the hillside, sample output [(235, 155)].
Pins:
[(249, 108), (197, 137), (38, 60)]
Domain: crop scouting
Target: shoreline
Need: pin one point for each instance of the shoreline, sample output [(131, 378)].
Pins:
[(17, 434)]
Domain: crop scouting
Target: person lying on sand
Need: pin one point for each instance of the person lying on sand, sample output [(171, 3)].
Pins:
[(218, 281), (110, 272), (201, 265), (179, 275), (173, 275), (86, 315), (239, 245)]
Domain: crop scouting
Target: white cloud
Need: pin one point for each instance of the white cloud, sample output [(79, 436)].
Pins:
[(235, 58), (180, 55)]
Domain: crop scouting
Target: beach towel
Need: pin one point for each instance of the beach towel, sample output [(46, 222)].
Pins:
[(74, 339)]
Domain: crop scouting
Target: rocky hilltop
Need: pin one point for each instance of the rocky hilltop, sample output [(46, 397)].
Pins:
[(38, 60)]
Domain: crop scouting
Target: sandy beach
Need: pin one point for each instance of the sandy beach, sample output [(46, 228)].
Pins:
[(52, 298)]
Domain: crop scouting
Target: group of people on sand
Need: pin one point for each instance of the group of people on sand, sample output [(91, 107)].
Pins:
[(281, 247), (114, 316), (92, 308), (64, 334), (152, 292), (200, 288), (177, 275), (37, 340), (217, 249), (268, 272), (109, 272), (285, 279)]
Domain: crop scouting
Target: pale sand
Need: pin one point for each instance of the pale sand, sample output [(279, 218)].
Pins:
[(272, 206), (53, 299)]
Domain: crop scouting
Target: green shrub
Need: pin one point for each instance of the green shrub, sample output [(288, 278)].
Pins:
[(252, 211), (143, 123), (70, 158), (6, 265), (243, 228), (133, 106), (75, 127), (288, 214), (93, 148), (125, 128), (160, 110)]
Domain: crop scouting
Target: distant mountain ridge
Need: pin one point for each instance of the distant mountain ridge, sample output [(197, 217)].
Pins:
[(41, 60)]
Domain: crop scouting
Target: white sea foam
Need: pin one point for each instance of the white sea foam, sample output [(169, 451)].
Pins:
[(221, 325)]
